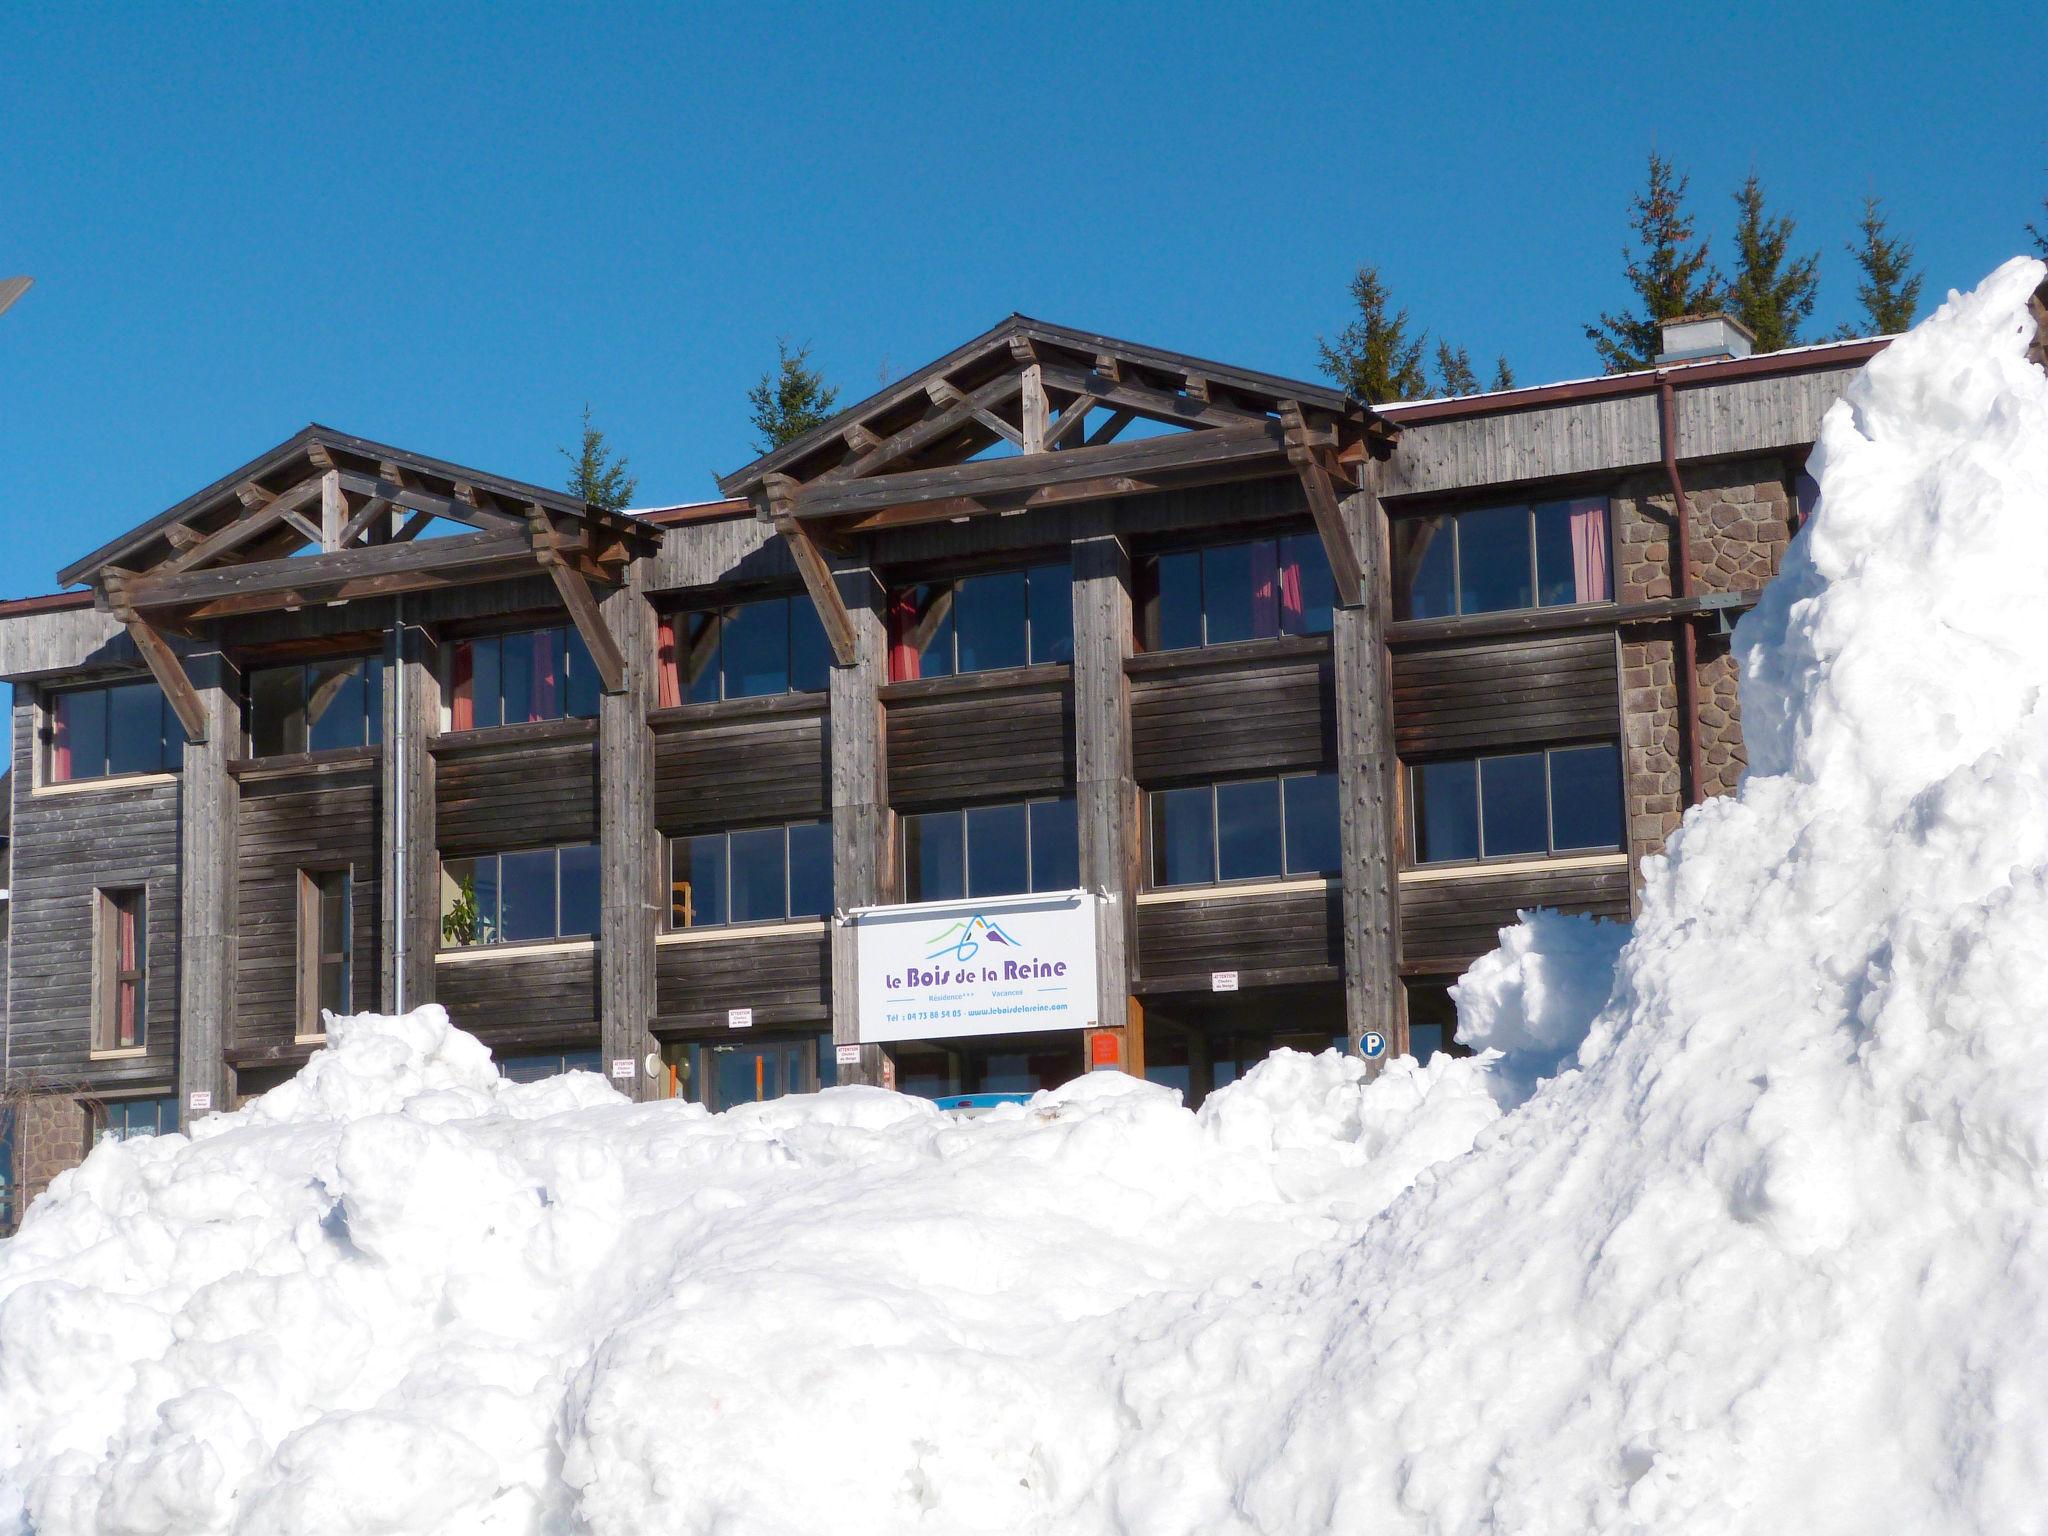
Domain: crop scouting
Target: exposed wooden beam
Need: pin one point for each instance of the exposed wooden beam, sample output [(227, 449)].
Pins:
[(1145, 400), (308, 530), (414, 527), (1070, 418), (356, 526), (898, 446), (1035, 410), (182, 535), (859, 439), (1002, 428), (156, 652), (476, 513), (266, 516), (318, 456), (333, 510), (253, 495), (578, 599), (817, 575), (1115, 423), (1303, 453)]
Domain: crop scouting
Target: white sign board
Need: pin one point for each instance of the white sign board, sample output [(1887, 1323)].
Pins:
[(739, 1018), (199, 1101), (1223, 981), (1007, 965), (622, 1070), (847, 1055)]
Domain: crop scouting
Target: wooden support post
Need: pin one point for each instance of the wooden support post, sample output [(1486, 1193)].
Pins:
[(409, 863), (1367, 789), (157, 655), (863, 829), (577, 598), (1317, 485), (833, 611), (629, 850), (206, 891), (333, 510), (1035, 409), (1106, 793)]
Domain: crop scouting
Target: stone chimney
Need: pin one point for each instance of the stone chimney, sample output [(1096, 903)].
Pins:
[(1704, 338)]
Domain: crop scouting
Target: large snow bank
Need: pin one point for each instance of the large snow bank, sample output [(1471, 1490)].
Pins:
[(1768, 1253)]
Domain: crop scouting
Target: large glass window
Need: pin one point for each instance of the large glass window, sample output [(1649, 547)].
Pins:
[(124, 1119), (121, 969), (1562, 800), (981, 623), (758, 875), (1246, 591), (1432, 1020), (538, 1066), (316, 706), (750, 1070), (1245, 829), (504, 898), (123, 728), (326, 944), (991, 850), (535, 674), (1494, 559), (743, 651)]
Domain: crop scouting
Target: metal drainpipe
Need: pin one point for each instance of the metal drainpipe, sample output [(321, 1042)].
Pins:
[(1681, 582), (401, 896)]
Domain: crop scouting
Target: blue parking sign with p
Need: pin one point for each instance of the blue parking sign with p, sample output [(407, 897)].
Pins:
[(1373, 1044)]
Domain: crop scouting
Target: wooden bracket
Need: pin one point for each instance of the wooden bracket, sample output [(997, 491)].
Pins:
[(162, 661), (1317, 484), (779, 492), (578, 599)]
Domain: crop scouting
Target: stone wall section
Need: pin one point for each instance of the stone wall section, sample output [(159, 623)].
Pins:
[(50, 1136)]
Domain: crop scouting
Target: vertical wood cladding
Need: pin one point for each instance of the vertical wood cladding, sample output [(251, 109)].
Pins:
[(740, 765), (516, 793), (1181, 942), (1264, 707), (980, 738), (1471, 695), (314, 820), (64, 847), (518, 1002), (783, 977), (1447, 924)]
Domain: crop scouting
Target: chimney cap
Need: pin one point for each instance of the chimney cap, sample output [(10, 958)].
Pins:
[(1698, 338)]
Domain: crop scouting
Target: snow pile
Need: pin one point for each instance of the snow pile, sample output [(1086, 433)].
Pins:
[(1764, 1250)]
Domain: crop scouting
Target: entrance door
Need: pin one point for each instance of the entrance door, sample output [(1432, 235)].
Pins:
[(753, 1071)]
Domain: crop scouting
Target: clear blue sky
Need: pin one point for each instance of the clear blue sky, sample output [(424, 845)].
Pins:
[(450, 227)]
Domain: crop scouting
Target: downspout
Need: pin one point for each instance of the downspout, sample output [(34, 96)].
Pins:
[(401, 895), (1681, 586)]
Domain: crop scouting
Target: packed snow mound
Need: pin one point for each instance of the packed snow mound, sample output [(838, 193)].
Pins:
[(1765, 1251)]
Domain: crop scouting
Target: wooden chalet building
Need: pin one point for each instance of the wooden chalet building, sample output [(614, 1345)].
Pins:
[(1311, 697)]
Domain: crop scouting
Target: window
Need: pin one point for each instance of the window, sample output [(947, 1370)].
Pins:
[(1432, 1020), (124, 728), (1493, 559), (316, 707), (991, 850), (539, 1066), (981, 623), (124, 1119), (1246, 829), (504, 898), (121, 965), (536, 674), (1228, 592), (1566, 799), (743, 651), (760, 875), (325, 941), (727, 1074)]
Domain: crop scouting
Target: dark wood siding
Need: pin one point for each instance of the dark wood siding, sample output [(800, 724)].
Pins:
[(1447, 924), (1475, 695), (784, 977), (65, 846), (516, 794), (747, 767), (1273, 936), (515, 1002), (289, 823), (1261, 708), (979, 738)]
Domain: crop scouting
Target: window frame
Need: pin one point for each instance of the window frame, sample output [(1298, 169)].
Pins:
[(100, 1129), (557, 937), (1455, 515), (110, 977), (171, 738), (312, 954), (897, 590), (725, 837), (903, 866), (1152, 882), (1145, 608), (1551, 851), (451, 667), (373, 712), (672, 645)]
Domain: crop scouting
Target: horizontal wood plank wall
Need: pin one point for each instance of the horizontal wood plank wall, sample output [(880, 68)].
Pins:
[(64, 846), (515, 1003), (515, 795), (1474, 695), (742, 767), (968, 741), (785, 978), (1197, 718), (1447, 924), (289, 824), (1277, 935)]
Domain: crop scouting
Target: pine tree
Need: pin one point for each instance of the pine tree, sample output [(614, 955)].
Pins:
[(1772, 292), (2040, 231), (1454, 371), (1373, 356), (595, 475), (1503, 375), (791, 398), (1890, 290), (1670, 275)]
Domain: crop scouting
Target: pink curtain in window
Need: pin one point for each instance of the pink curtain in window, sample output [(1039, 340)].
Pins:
[(546, 686), (668, 681), (1589, 551), (60, 740), (905, 662), (1265, 590), (462, 711), (1290, 592), (127, 1031)]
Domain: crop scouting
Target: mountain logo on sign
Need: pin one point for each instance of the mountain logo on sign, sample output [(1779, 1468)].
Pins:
[(963, 940)]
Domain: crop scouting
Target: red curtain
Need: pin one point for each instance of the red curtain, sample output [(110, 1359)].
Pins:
[(462, 713), (1589, 551), (668, 679), (1265, 590), (60, 740), (546, 701), (127, 1026), (1290, 587), (905, 663)]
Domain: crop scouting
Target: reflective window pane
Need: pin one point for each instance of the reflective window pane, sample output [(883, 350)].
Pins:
[(1055, 846), (697, 658), (1446, 807), (579, 700), (373, 700), (924, 619), (335, 707), (581, 895), (516, 678), (1512, 805), (1177, 607), (1183, 837), (1425, 566), (934, 856), (756, 643), (1052, 613), (810, 869), (697, 881), (1248, 830), (135, 728), (1493, 560), (1227, 593), (989, 619), (277, 723), (526, 894), (80, 748), (1314, 842), (469, 901), (486, 685), (1585, 797), (998, 839), (1571, 552), (1308, 592), (759, 891), (810, 657)]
